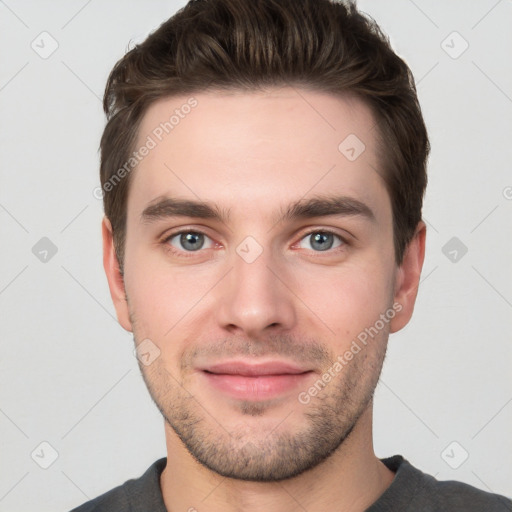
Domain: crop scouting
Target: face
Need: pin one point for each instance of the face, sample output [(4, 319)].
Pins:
[(246, 300)]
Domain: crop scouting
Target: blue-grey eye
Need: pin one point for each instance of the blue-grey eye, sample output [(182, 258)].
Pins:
[(190, 241), (322, 240)]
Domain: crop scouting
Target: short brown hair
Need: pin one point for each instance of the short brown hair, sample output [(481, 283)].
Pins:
[(322, 45)]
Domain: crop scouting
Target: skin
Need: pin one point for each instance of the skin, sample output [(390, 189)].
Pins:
[(254, 153)]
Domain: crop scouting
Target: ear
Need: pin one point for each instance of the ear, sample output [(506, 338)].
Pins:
[(407, 278), (114, 277)]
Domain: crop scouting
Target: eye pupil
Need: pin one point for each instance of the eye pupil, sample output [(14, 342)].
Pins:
[(325, 241), (192, 241)]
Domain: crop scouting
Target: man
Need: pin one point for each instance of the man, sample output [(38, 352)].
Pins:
[(263, 169)]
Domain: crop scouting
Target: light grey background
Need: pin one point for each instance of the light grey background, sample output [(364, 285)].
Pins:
[(68, 374)]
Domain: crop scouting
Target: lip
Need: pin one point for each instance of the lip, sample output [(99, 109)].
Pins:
[(255, 370), (256, 382)]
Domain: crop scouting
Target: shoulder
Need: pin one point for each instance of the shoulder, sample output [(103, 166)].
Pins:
[(135, 494), (414, 490), (460, 496)]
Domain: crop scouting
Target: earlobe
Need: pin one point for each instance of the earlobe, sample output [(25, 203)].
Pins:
[(114, 276), (408, 278)]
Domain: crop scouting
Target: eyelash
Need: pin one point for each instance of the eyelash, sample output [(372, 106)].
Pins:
[(188, 254)]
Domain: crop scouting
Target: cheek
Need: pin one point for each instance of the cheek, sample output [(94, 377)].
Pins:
[(347, 299), (163, 298)]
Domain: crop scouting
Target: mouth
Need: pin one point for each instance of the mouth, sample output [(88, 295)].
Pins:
[(256, 382)]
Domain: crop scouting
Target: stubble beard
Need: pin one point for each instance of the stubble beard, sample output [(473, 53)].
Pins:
[(253, 455)]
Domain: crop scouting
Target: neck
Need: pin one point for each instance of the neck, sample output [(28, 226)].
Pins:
[(351, 479)]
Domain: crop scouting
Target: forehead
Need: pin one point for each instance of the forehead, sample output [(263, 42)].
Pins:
[(256, 148)]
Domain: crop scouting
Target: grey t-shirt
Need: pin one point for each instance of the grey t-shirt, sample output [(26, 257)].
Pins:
[(410, 491)]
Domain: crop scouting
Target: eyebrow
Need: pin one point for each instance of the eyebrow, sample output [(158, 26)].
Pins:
[(321, 206)]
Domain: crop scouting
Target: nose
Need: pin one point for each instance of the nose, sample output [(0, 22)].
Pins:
[(254, 298)]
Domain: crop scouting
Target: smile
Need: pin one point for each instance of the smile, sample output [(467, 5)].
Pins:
[(245, 381)]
